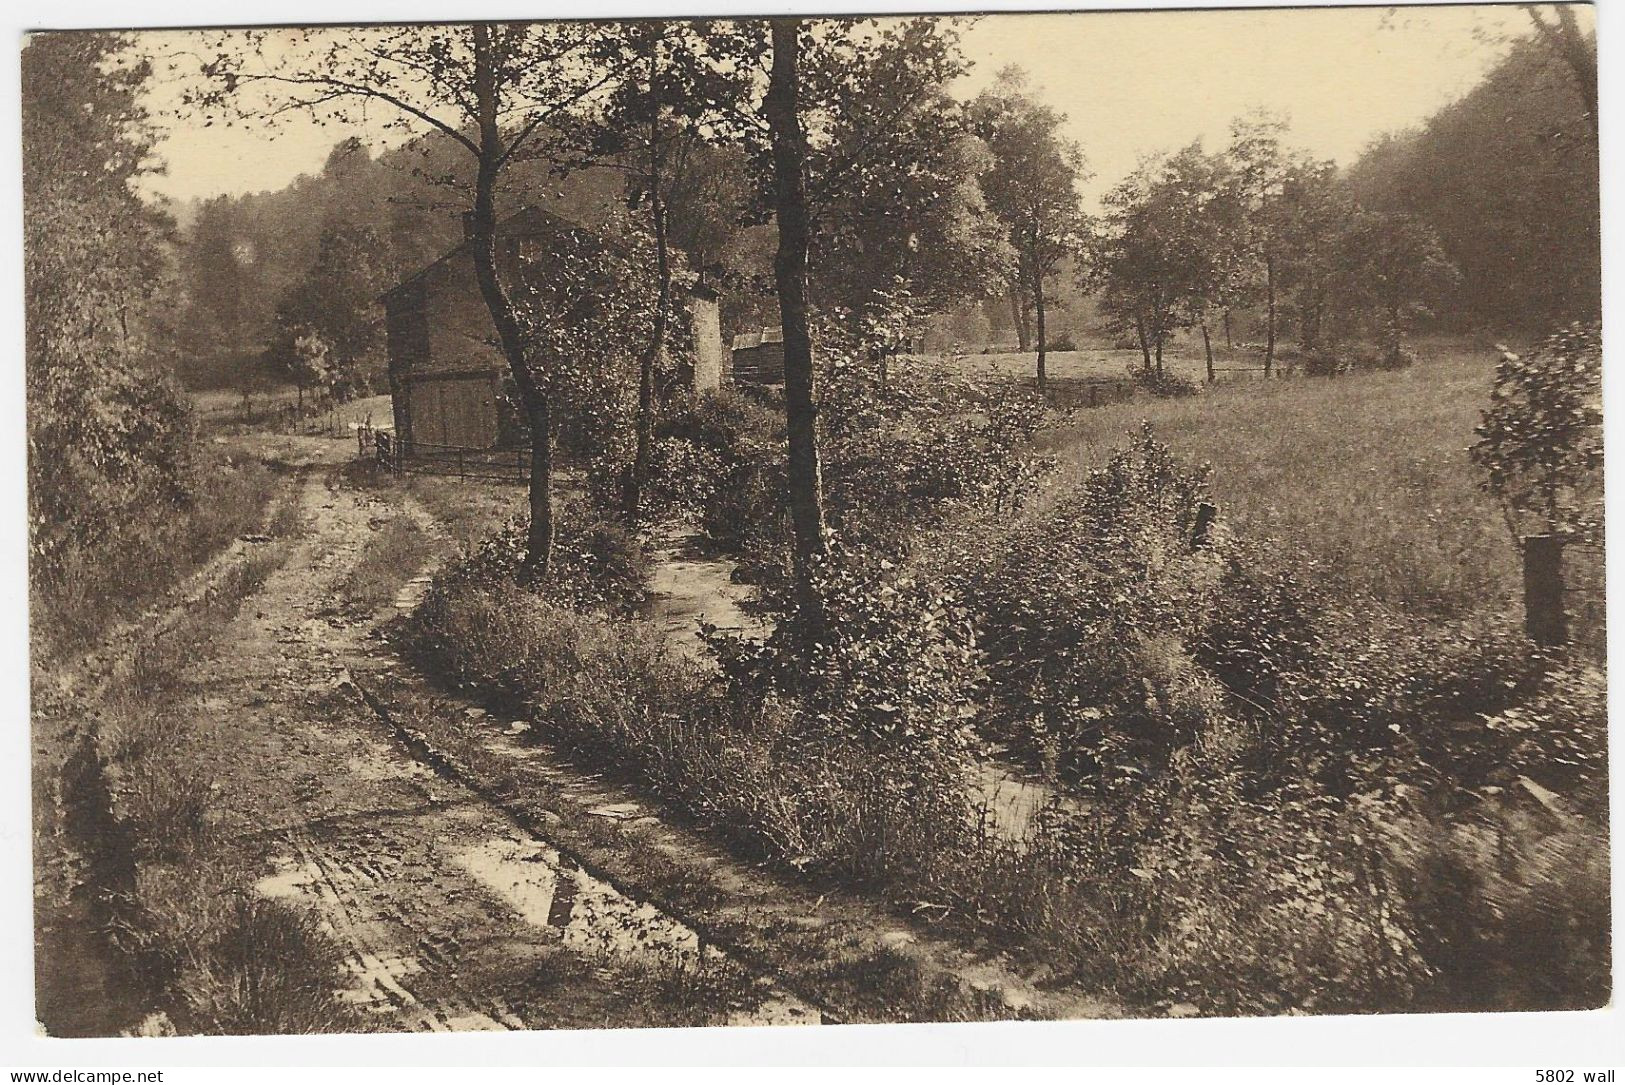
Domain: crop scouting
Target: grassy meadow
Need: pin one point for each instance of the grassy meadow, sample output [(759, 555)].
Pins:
[(1364, 476)]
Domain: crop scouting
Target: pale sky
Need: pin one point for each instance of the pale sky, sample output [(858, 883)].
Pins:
[(1131, 84)]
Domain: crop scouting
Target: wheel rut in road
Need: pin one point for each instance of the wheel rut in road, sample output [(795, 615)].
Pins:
[(447, 914)]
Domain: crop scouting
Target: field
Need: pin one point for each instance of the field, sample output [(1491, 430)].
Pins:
[(1104, 363), (1366, 476), (218, 408)]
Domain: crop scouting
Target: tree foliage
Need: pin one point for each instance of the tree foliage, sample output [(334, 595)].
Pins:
[(1030, 186), (1168, 248), (1507, 177), (1540, 440), (108, 432), (336, 303)]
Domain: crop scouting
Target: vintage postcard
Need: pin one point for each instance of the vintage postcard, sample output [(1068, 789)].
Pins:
[(808, 520)]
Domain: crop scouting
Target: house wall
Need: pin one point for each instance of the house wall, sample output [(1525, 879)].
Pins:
[(454, 409), (461, 335), (770, 363)]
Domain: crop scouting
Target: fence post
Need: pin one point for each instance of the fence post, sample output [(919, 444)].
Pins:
[(1543, 615), (1202, 530)]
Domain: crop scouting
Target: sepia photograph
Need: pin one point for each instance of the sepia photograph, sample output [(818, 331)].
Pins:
[(813, 519)]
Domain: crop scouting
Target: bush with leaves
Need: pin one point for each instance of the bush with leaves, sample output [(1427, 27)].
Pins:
[(875, 657), (704, 446), (1540, 440), (1087, 608), (110, 434), (1163, 385), (906, 447), (598, 566)]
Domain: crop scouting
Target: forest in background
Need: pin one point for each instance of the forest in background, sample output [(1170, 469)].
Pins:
[(1506, 178)]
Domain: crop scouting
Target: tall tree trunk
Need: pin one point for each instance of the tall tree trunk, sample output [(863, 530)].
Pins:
[(1269, 318), (1207, 348), (1145, 344), (657, 341), (482, 221), (650, 360), (805, 495), (1018, 318), (1038, 309), (1228, 345)]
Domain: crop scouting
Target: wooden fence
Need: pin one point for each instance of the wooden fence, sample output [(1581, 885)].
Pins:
[(427, 458)]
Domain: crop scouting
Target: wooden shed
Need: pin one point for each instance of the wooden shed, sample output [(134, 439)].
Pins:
[(447, 375), (758, 356)]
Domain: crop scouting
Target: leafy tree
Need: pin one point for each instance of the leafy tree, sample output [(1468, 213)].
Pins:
[(1508, 179), (491, 90), (1263, 165), (221, 290), (1166, 252), (1577, 50), (336, 302), (894, 177), (311, 363), (677, 95), (1031, 186), (108, 432), (1540, 440), (1401, 270), (1320, 256)]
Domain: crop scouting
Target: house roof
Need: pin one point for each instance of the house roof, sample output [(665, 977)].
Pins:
[(749, 340), (528, 221)]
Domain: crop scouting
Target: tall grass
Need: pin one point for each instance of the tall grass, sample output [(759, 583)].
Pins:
[(390, 555), (1365, 477), (96, 582)]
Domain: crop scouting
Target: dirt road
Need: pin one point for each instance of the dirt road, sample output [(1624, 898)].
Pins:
[(449, 915), (471, 876)]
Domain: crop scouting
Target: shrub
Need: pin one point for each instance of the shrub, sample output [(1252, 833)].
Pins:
[(1062, 342), (1509, 908), (1388, 359), (1163, 385), (1337, 678), (1324, 361), (877, 659), (1079, 605), (1237, 902), (761, 770), (597, 564), (91, 579), (702, 444), (904, 452), (1540, 441)]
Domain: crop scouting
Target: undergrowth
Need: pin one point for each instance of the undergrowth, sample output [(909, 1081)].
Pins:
[(188, 927), (91, 583), (1305, 787)]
